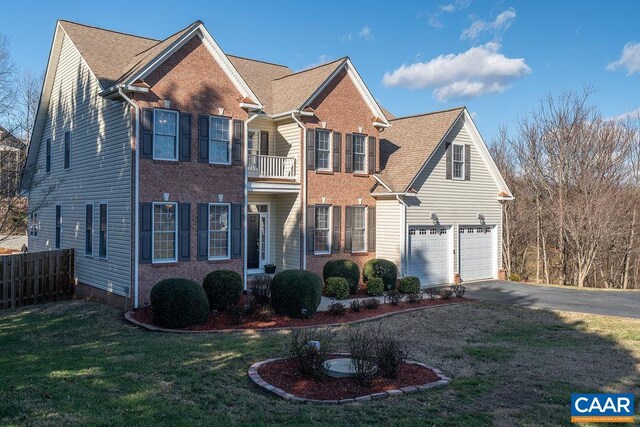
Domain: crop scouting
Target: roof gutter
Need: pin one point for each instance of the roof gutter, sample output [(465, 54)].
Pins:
[(291, 114), (120, 87)]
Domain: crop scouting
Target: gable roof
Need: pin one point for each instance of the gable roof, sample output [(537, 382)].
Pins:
[(260, 75), (409, 142)]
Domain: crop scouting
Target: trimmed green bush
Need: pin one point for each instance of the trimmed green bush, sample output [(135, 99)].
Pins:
[(383, 269), (293, 291), (337, 287), (375, 287), (343, 268), (178, 303), (223, 288), (409, 285)]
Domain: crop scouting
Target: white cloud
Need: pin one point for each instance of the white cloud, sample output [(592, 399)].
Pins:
[(495, 27), (448, 8), (347, 37), (366, 33), (478, 71), (629, 115), (630, 59), (434, 22), (456, 5), (433, 19)]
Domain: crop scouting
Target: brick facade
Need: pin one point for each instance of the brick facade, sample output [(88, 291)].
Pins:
[(342, 108), (194, 83)]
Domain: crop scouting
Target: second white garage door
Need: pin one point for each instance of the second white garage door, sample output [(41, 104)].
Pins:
[(477, 252), (430, 254)]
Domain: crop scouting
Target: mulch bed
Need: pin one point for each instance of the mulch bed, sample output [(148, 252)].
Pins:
[(221, 321), (284, 375)]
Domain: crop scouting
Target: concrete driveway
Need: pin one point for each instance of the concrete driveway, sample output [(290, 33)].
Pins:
[(610, 303)]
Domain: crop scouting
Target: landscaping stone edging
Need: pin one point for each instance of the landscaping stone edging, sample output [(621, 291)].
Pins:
[(128, 317), (260, 382)]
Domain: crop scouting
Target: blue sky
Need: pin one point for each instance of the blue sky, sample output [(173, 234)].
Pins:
[(496, 57)]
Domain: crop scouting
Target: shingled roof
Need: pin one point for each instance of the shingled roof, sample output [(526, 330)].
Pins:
[(409, 142), (260, 75)]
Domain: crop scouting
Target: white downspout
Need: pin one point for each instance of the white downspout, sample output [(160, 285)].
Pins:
[(303, 179), (403, 236), (245, 205), (136, 192)]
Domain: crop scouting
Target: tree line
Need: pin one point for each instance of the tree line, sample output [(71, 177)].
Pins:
[(575, 176)]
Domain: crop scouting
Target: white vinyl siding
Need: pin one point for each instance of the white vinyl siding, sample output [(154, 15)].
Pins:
[(455, 201), (101, 171), (388, 229), (458, 161), (219, 140), (165, 134)]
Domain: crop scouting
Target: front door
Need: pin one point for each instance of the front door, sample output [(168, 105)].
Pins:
[(257, 236)]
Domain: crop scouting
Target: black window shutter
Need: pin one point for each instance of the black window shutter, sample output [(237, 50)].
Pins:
[(185, 137), (311, 149), (203, 139), (311, 228), (236, 146), (67, 150), (146, 216), (203, 231), (184, 232), (337, 151), (348, 227), (372, 154), (147, 134), (335, 238), (449, 147), (264, 143), (236, 231), (371, 229), (348, 154), (467, 163)]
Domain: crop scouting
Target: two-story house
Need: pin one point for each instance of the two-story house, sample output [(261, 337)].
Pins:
[(174, 159)]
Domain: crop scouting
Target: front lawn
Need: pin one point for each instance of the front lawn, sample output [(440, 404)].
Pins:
[(79, 363)]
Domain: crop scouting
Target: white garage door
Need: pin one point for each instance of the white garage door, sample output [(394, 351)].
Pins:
[(430, 254), (476, 252)]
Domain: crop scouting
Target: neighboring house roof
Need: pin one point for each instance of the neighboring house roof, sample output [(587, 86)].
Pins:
[(408, 143), (8, 141), (259, 76)]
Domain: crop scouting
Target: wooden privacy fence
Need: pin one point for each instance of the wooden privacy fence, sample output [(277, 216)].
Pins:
[(34, 278)]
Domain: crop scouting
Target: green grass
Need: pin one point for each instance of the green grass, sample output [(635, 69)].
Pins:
[(80, 363)]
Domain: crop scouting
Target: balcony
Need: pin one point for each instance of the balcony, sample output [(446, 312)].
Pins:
[(272, 167)]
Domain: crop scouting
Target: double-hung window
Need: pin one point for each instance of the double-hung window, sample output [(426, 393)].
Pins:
[(165, 134), (322, 237), (359, 154), (458, 161), (165, 232), (88, 229), (58, 226), (359, 229), (323, 150), (103, 234), (219, 235), (219, 140)]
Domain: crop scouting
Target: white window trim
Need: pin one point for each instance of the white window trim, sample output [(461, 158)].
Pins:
[(229, 229), (107, 231), (330, 167), (330, 229), (366, 154), (453, 162), (34, 225), (229, 143), (153, 234), (175, 159), (366, 230), (93, 214)]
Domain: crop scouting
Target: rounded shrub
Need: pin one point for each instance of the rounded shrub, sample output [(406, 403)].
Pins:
[(383, 269), (409, 285), (178, 303), (375, 287), (223, 288), (296, 293), (343, 268), (337, 287)]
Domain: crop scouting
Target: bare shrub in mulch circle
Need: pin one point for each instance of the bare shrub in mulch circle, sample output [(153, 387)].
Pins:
[(361, 343), (309, 358), (337, 308), (390, 353)]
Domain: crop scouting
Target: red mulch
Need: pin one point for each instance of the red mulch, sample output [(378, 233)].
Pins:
[(220, 321), (284, 375)]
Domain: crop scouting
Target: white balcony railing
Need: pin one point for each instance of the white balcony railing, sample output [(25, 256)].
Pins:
[(272, 167)]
